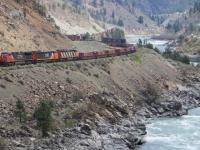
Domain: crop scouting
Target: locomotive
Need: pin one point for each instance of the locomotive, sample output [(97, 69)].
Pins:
[(32, 57)]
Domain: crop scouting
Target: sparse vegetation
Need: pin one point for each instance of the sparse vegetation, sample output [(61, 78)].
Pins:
[(77, 96), (96, 75), (86, 36), (141, 19), (176, 56), (3, 144), (69, 123), (136, 58), (68, 80), (144, 44), (41, 9), (150, 93)]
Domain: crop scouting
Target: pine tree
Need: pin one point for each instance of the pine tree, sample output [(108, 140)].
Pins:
[(20, 111), (43, 116)]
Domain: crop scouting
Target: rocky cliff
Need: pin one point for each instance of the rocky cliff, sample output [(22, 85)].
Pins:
[(22, 28)]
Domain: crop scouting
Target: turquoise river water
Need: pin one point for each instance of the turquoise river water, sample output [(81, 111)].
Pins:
[(174, 133)]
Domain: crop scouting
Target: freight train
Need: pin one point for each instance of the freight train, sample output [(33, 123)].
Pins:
[(12, 58)]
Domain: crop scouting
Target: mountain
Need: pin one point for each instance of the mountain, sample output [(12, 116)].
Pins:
[(22, 28), (135, 16), (163, 6)]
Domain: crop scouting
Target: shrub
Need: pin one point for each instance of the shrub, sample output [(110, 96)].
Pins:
[(139, 44), (150, 93), (68, 80), (86, 36), (69, 123), (20, 111), (136, 58), (77, 96), (176, 56), (43, 116), (96, 75), (149, 45), (141, 19), (3, 144), (156, 50), (41, 9)]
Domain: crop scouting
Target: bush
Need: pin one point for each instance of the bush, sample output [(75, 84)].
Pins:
[(68, 80), (20, 111), (96, 75), (150, 93), (43, 116), (86, 36), (3, 144), (139, 44), (176, 56), (77, 96), (41, 9), (156, 50), (141, 19), (149, 45)]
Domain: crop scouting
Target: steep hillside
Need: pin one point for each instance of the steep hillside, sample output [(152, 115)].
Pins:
[(22, 28), (94, 16), (71, 18), (163, 6)]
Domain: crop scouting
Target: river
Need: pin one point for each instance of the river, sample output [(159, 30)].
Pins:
[(174, 133), (160, 44)]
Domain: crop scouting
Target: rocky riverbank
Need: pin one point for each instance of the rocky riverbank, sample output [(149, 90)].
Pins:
[(126, 133)]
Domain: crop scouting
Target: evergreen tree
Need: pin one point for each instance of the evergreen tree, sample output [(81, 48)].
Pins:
[(139, 43), (43, 116), (113, 14), (20, 111), (120, 22), (141, 19)]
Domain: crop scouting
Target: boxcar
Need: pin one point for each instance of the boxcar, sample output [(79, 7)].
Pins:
[(69, 54), (74, 37), (87, 55)]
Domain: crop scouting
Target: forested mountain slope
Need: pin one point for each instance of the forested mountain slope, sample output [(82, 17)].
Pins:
[(162, 6)]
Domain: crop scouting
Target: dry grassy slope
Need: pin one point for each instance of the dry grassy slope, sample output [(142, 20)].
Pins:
[(29, 33), (190, 45)]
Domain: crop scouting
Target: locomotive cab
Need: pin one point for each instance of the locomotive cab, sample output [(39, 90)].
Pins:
[(6, 58)]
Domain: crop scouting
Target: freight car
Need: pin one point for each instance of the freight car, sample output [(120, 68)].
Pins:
[(11, 58), (74, 37), (115, 42)]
